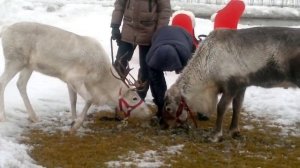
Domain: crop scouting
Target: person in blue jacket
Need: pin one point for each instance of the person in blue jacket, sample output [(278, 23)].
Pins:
[(172, 47)]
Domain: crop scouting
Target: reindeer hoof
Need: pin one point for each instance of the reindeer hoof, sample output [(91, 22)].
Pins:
[(236, 134), (215, 137), (72, 131), (33, 119), (72, 124), (73, 119), (75, 125)]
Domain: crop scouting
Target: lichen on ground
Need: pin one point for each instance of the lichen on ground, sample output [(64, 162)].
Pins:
[(107, 145)]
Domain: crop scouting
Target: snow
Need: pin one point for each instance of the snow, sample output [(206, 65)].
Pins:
[(149, 158), (49, 96)]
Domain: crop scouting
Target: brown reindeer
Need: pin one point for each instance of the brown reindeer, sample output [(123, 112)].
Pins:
[(226, 63)]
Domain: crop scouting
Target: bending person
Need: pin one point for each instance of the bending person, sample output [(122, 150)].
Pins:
[(172, 47)]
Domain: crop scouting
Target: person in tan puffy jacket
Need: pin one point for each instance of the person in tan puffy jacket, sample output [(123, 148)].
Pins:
[(139, 19)]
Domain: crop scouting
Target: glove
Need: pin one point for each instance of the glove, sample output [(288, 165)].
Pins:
[(116, 34)]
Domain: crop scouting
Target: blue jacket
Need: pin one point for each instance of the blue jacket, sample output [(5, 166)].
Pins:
[(171, 48)]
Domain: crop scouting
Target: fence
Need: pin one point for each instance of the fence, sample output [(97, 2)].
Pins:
[(277, 3)]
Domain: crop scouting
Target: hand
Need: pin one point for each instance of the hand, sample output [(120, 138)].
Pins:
[(116, 34)]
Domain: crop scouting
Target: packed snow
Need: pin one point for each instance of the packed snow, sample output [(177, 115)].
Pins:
[(49, 96)]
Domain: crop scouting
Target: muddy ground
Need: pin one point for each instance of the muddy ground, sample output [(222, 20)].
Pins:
[(104, 143)]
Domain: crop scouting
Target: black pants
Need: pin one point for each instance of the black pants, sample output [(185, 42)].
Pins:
[(158, 88), (124, 55)]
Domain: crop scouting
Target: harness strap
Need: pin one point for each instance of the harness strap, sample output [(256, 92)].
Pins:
[(179, 111), (127, 106)]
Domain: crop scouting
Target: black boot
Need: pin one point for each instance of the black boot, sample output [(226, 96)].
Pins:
[(144, 83), (142, 91), (202, 117)]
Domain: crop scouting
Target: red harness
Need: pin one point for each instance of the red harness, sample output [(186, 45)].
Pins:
[(126, 105), (181, 107)]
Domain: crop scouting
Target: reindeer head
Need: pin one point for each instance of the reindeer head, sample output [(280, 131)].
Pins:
[(175, 112), (130, 102), (132, 105), (179, 106)]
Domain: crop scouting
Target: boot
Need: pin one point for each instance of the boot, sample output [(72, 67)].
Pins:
[(142, 78), (142, 91), (202, 117)]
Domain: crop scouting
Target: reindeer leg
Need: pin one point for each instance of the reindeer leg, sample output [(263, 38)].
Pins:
[(73, 100), (236, 107), (82, 90), (22, 84), (11, 69), (221, 109), (78, 122)]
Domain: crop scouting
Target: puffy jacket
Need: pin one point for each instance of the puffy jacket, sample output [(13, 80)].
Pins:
[(140, 18), (171, 49)]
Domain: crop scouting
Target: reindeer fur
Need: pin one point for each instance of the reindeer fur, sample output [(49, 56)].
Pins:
[(229, 61), (79, 61)]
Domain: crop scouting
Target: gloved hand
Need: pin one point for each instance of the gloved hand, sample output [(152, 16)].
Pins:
[(116, 34)]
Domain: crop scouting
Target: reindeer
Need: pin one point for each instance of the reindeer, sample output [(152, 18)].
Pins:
[(227, 62), (79, 61)]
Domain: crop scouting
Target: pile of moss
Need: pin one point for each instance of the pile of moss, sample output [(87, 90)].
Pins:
[(260, 146)]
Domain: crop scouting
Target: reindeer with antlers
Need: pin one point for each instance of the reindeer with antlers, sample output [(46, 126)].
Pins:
[(79, 61)]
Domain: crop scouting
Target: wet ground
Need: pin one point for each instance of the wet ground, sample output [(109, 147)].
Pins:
[(105, 144)]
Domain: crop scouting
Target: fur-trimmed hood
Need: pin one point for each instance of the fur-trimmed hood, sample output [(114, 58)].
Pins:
[(185, 20)]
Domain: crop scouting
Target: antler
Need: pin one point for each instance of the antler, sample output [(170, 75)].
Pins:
[(123, 73), (119, 78)]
